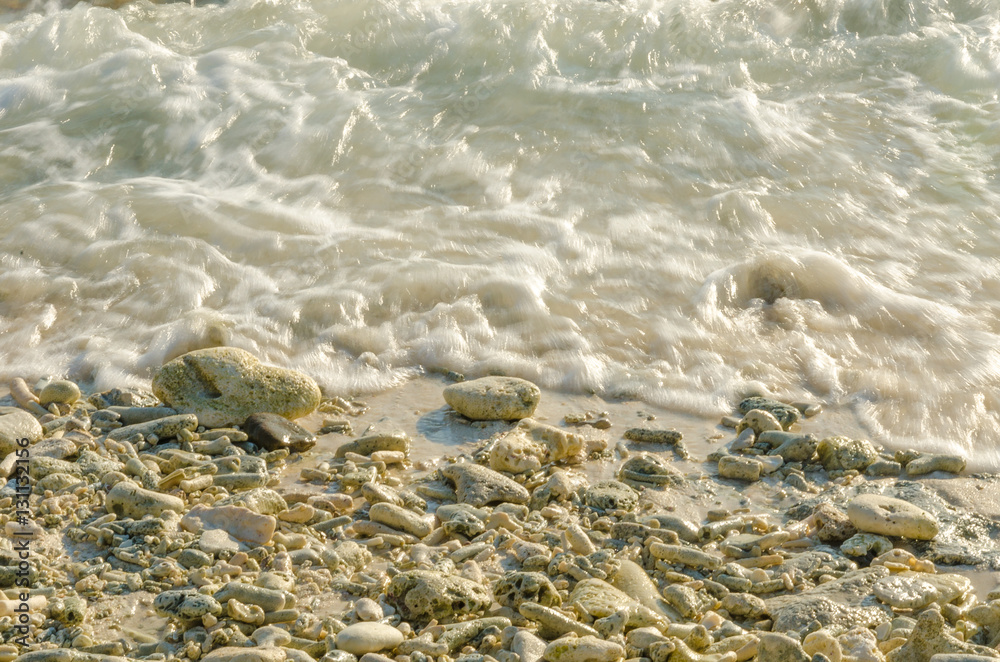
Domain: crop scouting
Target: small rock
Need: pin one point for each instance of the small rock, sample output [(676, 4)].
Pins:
[(224, 385), (186, 605), (777, 647), (832, 524), (841, 453), (400, 519), (368, 610), (929, 638), (161, 428), (373, 443), (528, 646), (60, 391), (236, 521), (611, 495), (740, 468), (787, 415), (478, 486), (126, 499), (583, 649), (493, 398), (422, 595), (929, 462), (791, 446), (271, 432), (759, 421), (517, 587), (362, 638), (15, 426), (884, 468), (887, 516)]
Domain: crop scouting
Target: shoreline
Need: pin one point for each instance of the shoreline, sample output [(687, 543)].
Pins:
[(309, 560)]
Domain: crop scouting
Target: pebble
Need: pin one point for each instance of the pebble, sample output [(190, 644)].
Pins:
[(395, 441), (238, 522), (611, 495), (477, 485), (493, 398), (362, 638), (368, 610), (15, 426), (224, 386), (59, 391), (740, 468), (271, 432), (400, 518), (161, 428), (929, 462), (583, 649), (888, 516), (126, 499)]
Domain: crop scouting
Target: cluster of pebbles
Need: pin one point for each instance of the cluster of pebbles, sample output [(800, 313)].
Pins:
[(507, 554)]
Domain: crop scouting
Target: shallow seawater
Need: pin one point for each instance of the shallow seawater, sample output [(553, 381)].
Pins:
[(674, 201)]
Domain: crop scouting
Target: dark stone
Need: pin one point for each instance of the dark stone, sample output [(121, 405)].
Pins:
[(271, 432)]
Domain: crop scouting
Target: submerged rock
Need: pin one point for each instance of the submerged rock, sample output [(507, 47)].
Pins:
[(224, 385), (493, 398)]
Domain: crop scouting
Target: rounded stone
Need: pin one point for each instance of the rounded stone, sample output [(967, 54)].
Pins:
[(583, 649), (223, 386), (368, 610), (887, 516), (493, 398), (60, 391), (362, 638)]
